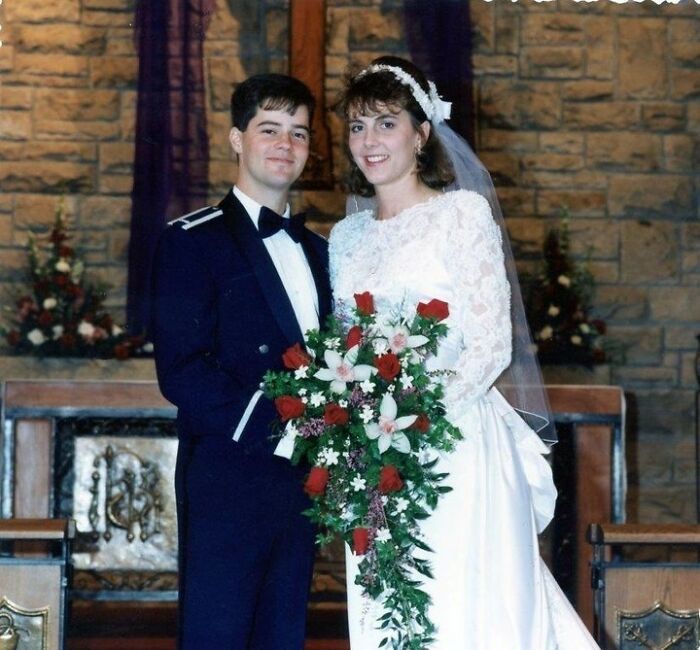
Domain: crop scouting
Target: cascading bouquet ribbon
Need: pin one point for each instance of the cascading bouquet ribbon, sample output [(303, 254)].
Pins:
[(367, 416)]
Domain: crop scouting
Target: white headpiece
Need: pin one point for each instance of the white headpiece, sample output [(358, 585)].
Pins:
[(434, 108)]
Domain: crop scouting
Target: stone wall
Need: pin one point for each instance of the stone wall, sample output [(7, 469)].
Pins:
[(595, 107), (590, 106)]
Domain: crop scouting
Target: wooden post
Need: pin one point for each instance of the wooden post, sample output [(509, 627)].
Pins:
[(307, 51)]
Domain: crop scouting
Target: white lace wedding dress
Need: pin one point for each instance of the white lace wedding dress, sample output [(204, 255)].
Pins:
[(490, 591)]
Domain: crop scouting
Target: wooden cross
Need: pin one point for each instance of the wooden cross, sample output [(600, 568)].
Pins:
[(307, 29)]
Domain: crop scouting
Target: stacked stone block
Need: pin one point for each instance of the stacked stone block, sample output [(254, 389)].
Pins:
[(592, 107)]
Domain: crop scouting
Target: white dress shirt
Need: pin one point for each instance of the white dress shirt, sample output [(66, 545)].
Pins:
[(293, 268)]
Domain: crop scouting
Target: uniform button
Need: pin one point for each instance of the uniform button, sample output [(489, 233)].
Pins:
[(263, 349), (261, 385)]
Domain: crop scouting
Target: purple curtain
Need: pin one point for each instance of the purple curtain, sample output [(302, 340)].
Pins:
[(171, 155), (440, 40)]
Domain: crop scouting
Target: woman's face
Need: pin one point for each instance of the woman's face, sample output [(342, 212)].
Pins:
[(383, 144)]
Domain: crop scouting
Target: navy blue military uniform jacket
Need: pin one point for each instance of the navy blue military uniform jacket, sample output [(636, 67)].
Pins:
[(222, 318)]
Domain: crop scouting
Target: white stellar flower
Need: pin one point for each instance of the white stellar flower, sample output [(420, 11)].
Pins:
[(49, 303), (62, 266), (388, 430), (406, 380), (367, 386), (564, 280), (342, 370), (317, 399), (383, 535), (358, 483), (366, 414), (400, 505), (301, 372), (553, 310), (331, 457), (116, 330), (86, 329), (399, 338), (36, 336), (147, 347)]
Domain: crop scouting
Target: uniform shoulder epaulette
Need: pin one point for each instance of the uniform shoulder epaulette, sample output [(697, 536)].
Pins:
[(197, 217)]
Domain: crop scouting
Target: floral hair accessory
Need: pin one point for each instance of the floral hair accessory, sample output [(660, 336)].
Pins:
[(435, 109)]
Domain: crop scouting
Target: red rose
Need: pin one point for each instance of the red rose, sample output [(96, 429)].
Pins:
[(316, 481), (60, 280), (360, 541), (365, 303), (289, 407), (335, 414), (121, 351), (388, 366), (57, 236), (13, 337), (65, 251), (437, 309), (295, 357), (422, 423), (599, 325), (45, 318), (67, 341), (390, 480), (354, 336)]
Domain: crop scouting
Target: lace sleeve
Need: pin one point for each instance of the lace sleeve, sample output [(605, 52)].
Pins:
[(482, 312)]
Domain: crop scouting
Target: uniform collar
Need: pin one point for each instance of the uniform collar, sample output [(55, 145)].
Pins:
[(252, 207)]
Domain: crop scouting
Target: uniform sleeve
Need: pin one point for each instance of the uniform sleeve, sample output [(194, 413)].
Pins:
[(210, 400), (476, 260)]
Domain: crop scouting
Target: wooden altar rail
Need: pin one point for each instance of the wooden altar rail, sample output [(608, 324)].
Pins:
[(29, 410)]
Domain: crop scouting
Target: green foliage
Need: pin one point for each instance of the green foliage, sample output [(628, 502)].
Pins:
[(382, 431)]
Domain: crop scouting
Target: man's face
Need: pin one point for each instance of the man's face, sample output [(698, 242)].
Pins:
[(273, 149)]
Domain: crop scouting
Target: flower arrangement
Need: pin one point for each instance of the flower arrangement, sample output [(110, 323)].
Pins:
[(64, 316), (367, 417), (558, 307)]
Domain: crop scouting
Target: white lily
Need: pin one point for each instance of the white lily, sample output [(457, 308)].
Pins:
[(399, 338), (342, 370), (387, 431)]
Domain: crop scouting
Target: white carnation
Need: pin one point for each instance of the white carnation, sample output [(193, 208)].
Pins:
[(49, 303), (576, 339), (546, 333), (553, 310), (57, 331), (564, 280), (36, 336), (86, 329), (62, 266)]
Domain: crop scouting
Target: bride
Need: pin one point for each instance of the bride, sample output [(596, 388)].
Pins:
[(414, 241)]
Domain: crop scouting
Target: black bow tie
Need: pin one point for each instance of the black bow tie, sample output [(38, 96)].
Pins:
[(269, 223)]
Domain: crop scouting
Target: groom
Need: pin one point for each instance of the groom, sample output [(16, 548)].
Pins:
[(235, 285)]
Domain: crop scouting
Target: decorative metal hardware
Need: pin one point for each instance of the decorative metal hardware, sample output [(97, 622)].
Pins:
[(30, 626), (659, 628), (132, 495)]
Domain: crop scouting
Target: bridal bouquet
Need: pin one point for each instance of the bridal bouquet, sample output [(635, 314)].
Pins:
[(367, 416)]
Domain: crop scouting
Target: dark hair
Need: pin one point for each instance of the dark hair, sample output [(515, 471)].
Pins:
[(271, 92), (371, 92)]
